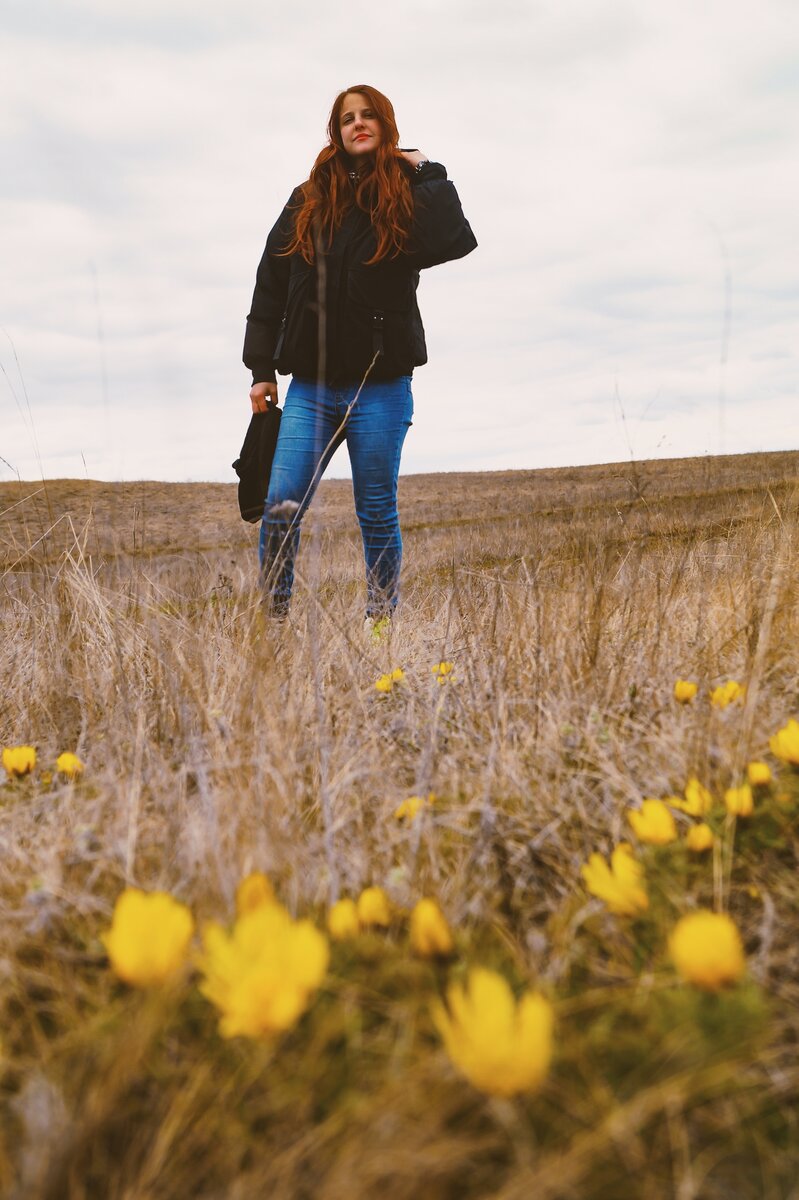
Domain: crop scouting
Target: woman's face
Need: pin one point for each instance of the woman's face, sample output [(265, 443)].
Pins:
[(361, 132)]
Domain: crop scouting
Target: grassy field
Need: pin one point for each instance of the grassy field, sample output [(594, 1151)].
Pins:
[(568, 602)]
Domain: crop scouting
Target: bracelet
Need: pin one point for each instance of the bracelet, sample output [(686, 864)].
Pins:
[(423, 163)]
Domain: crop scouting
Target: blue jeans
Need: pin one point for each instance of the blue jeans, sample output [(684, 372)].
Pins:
[(374, 433)]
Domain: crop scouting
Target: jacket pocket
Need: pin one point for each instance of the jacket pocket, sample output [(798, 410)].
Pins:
[(293, 316)]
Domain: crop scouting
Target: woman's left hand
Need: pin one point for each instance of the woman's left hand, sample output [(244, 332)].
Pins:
[(414, 157)]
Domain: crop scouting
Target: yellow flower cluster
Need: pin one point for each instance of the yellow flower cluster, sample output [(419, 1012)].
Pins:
[(430, 935), (21, 760), (705, 947), (727, 693), (502, 1049), (386, 683), (262, 973), (654, 824), (260, 976), (500, 1046), (721, 696)]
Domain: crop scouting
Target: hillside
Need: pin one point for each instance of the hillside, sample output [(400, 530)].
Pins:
[(546, 617)]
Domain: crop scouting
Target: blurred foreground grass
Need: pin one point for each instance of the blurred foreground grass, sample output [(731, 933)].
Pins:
[(569, 602)]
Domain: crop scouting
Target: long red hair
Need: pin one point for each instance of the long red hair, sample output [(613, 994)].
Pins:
[(383, 188)]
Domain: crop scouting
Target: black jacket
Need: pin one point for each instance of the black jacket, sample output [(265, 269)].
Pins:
[(368, 308)]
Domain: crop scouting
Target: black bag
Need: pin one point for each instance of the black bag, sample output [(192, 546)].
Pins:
[(254, 464)]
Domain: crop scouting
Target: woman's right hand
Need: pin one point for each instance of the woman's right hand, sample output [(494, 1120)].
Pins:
[(414, 157), (262, 394)]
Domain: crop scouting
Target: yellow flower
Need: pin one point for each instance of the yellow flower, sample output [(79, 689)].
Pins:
[(501, 1047), (706, 949), (758, 774), (738, 800), (699, 838), (342, 920), (698, 800), (254, 890), (262, 975), (373, 907), (727, 693), (69, 765), (685, 690), (149, 937), (619, 885), (385, 683), (408, 809), (19, 760), (783, 745), (430, 933), (443, 670), (653, 824)]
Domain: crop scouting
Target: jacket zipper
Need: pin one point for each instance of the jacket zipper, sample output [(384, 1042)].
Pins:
[(281, 336), (377, 331)]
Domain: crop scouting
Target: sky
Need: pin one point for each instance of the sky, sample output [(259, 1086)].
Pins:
[(630, 169)]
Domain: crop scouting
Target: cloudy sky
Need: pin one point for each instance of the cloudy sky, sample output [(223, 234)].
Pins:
[(630, 169)]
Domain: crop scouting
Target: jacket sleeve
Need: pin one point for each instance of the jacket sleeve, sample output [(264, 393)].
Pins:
[(269, 298), (440, 231)]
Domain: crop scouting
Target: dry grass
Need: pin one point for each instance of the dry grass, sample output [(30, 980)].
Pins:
[(570, 601)]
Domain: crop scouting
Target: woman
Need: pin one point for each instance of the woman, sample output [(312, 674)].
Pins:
[(335, 306)]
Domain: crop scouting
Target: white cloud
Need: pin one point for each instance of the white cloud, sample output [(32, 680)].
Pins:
[(616, 161)]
